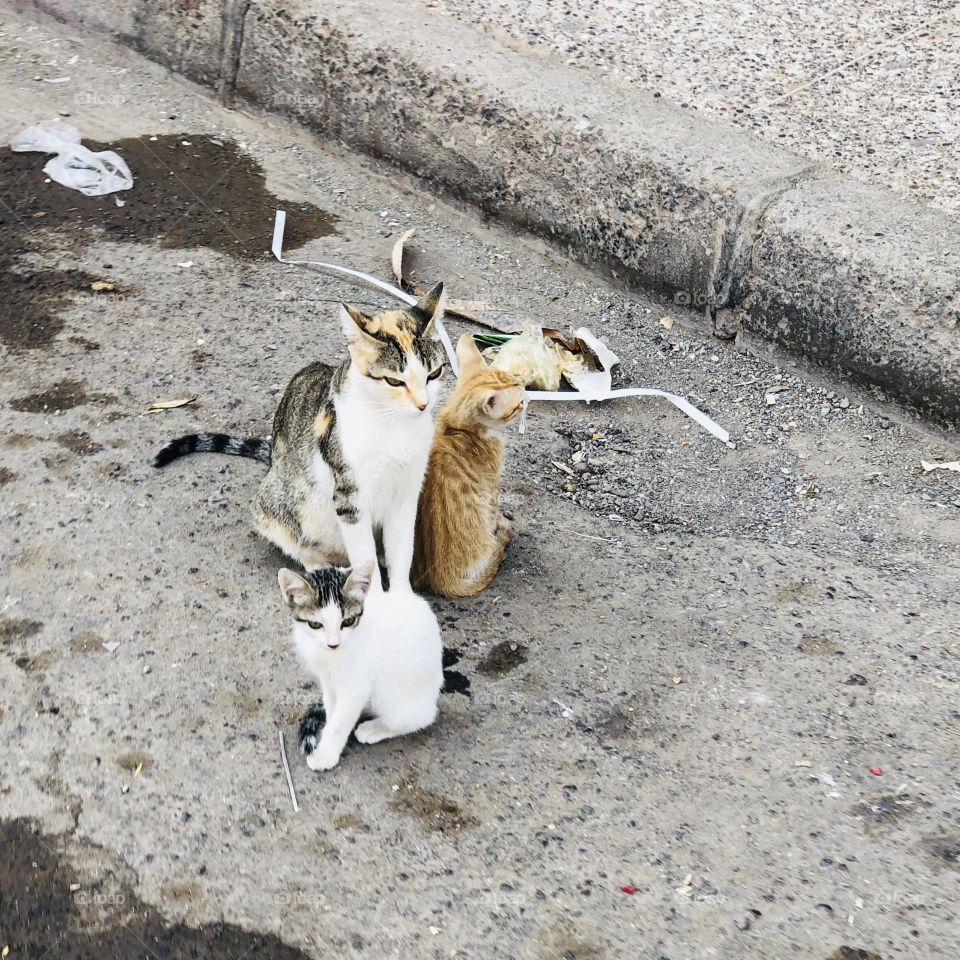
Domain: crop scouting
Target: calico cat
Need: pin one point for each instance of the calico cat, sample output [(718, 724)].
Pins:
[(375, 654), (461, 534), (350, 445)]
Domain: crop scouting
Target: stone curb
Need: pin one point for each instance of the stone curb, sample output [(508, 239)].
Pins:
[(770, 248)]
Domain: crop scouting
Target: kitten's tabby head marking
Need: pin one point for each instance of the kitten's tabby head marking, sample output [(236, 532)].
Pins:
[(398, 353), (326, 604), (491, 397)]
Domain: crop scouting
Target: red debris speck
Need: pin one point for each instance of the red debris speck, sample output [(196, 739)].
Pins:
[(877, 771), (628, 889)]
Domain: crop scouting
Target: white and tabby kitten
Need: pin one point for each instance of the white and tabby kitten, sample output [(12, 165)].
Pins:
[(375, 654)]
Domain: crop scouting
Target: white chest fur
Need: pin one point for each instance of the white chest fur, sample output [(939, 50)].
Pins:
[(389, 666), (386, 452)]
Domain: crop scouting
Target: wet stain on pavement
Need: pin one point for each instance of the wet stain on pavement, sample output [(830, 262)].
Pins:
[(240, 703), (79, 443), (180, 891), (113, 470), (39, 663), (818, 646), (16, 630), (503, 658), (853, 953), (195, 190), (435, 811), (568, 941), (884, 812), (19, 441), (453, 680), (59, 466), (944, 851), (190, 190), (86, 642), (40, 915), (29, 320), (64, 395), (6, 476), (350, 821), (614, 725), (135, 761)]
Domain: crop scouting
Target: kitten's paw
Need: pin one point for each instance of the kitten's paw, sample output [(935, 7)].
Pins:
[(371, 731), (323, 758)]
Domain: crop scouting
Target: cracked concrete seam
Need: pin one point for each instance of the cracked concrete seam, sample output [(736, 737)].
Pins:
[(731, 277), (234, 24)]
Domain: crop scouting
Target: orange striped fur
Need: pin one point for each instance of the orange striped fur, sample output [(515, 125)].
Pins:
[(461, 534)]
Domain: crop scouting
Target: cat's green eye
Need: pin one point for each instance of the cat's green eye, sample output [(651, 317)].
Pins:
[(314, 625), (351, 621), (393, 383), (433, 374)]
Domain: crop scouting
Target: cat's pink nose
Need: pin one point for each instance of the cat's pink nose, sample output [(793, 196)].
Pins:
[(421, 407)]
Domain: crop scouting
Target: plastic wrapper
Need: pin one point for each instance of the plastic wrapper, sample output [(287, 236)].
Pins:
[(537, 361), (74, 166)]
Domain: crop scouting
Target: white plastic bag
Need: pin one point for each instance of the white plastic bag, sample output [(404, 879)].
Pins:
[(74, 166), (538, 362)]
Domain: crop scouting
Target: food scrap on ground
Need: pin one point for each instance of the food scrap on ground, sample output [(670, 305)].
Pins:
[(590, 385), (159, 405), (532, 357)]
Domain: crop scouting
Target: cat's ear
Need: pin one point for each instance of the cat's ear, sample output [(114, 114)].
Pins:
[(428, 309), (468, 355), (358, 583), (296, 591), (355, 323)]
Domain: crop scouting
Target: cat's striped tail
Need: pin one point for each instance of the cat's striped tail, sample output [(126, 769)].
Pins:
[(254, 447), (311, 726)]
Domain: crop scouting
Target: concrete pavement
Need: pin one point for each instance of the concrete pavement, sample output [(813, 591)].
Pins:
[(865, 88), (680, 684)]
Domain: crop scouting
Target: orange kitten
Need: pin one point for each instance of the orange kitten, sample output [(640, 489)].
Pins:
[(461, 534)]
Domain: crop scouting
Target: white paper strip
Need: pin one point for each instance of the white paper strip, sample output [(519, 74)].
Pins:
[(591, 386), (277, 247)]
